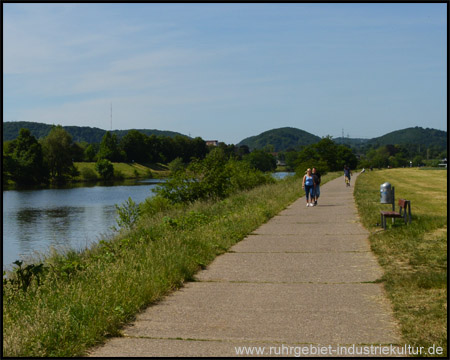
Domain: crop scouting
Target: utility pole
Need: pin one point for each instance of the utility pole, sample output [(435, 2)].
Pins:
[(111, 116)]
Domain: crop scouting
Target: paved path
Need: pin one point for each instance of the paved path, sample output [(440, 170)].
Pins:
[(303, 279)]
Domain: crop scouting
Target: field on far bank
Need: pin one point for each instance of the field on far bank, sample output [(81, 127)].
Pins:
[(414, 257), (125, 170)]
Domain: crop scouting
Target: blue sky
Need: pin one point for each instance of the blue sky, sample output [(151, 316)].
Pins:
[(227, 71)]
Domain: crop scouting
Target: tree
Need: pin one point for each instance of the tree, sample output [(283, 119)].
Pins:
[(380, 158), (89, 153), (57, 149), (198, 148), (243, 150), (345, 157), (418, 160), (176, 165), (261, 160), (327, 151), (77, 152), (109, 148), (134, 144), (24, 162), (105, 168)]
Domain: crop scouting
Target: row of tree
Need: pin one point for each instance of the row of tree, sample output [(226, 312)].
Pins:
[(325, 155), (28, 161), (138, 147), (400, 156)]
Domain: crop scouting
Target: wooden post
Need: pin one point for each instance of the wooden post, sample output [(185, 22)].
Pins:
[(393, 198)]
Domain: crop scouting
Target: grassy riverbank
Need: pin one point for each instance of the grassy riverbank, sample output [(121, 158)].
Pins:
[(121, 171), (89, 175), (86, 297), (414, 257)]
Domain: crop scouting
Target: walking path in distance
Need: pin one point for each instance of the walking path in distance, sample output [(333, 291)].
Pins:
[(306, 279)]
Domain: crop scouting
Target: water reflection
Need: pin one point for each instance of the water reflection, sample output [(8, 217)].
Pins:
[(35, 220), (27, 216)]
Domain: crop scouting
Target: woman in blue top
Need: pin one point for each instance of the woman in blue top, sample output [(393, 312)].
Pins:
[(308, 185), (347, 175)]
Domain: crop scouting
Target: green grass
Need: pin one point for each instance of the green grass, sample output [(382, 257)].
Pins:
[(414, 257), (127, 170), (86, 297)]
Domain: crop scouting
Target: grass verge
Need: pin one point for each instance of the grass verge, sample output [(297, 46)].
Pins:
[(414, 257), (122, 170), (87, 296)]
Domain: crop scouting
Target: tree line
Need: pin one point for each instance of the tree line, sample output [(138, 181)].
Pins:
[(28, 161), (402, 156), (324, 155)]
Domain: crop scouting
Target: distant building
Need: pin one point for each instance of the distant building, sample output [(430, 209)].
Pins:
[(212, 142), (443, 163)]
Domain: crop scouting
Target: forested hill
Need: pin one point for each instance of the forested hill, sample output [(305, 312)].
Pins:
[(414, 135), (79, 133), (284, 138), (281, 139)]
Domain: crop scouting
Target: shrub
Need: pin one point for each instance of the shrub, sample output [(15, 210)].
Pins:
[(88, 174), (176, 165), (215, 177), (155, 205), (105, 168), (128, 214)]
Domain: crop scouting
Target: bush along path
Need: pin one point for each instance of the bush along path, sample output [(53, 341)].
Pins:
[(304, 281)]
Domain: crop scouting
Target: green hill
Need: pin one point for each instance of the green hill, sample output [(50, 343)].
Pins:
[(281, 139), (287, 137), (78, 133), (414, 135)]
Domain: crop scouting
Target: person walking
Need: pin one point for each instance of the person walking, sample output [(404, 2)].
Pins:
[(317, 178), (347, 175), (308, 185)]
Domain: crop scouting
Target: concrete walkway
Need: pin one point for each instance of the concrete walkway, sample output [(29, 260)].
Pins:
[(304, 279)]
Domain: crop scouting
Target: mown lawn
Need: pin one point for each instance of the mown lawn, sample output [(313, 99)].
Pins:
[(414, 257)]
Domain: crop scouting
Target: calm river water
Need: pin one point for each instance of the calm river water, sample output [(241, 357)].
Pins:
[(36, 220)]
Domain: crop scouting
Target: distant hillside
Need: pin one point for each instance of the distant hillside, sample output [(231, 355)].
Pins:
[(281, 139), (414, 135), (285, 138), (78, 133)]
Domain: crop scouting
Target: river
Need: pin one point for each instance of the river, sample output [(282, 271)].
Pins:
[(36, 220)]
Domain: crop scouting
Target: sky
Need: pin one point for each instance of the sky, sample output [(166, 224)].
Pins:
[(227, 71)]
